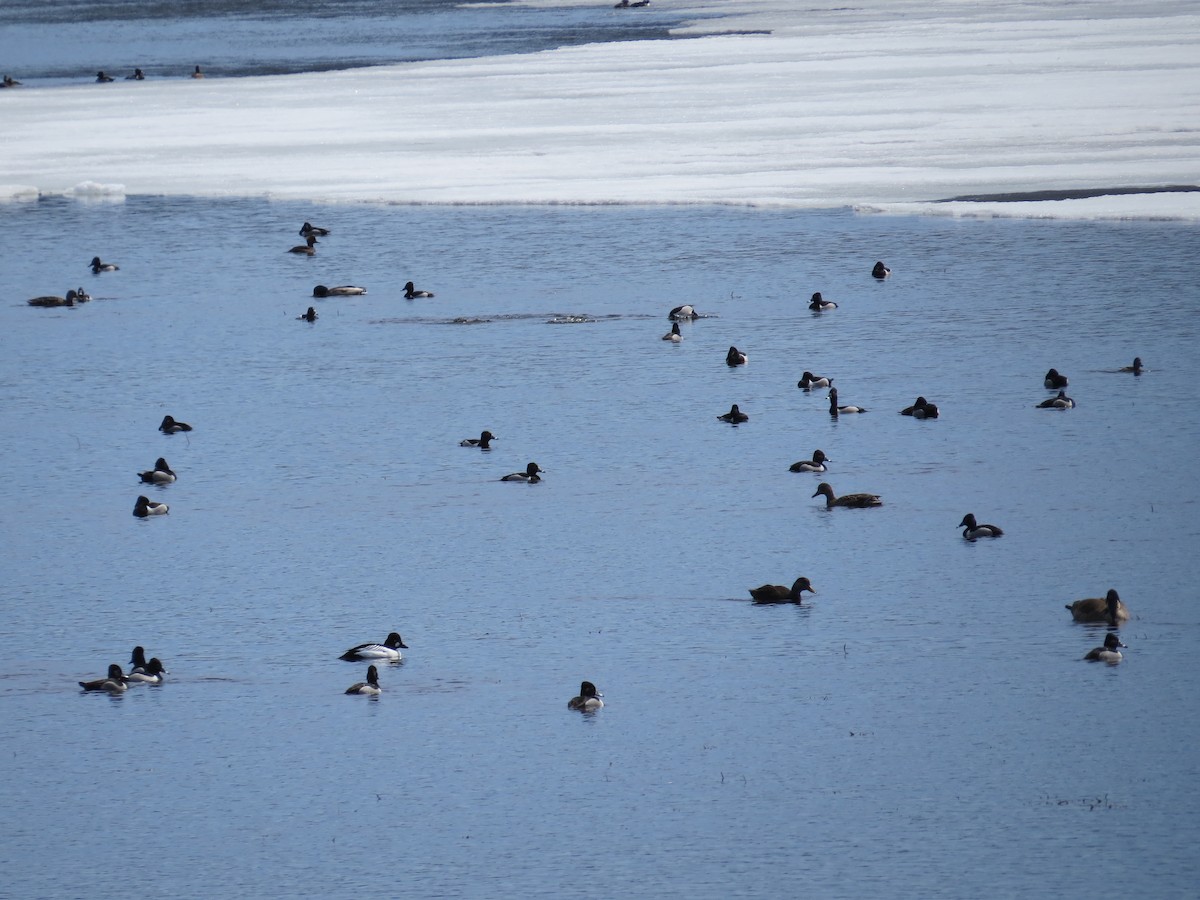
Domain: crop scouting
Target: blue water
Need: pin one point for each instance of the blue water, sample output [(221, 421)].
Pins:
[(927, 707)]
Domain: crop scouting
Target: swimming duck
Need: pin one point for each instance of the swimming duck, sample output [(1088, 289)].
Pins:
[(683, 313), (137, 662), (483, 442), (389, 649), (310, 316), (734, 416), (777, 593), (1054, 380), (819, 303), (101, 78), (1109, 653), (151, 673), (735, 357), (196, 73), (114, 682), (529, 476), (9, 81), (160, 474), (147, 507), (880, 270), (1062, 401), (71, 299), (308, 228), (308, 248), (97, 266), (835, 410), (342, 290), (921, 409), (816, 464), (1108, 609), (411, 294), (673, 334), (138, 75), (1136, 368), (972, 529), (589, 698), (170, 426), (808, 381), (855, 501), (369, 687)]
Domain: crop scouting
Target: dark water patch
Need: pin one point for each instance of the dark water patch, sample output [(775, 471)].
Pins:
[(1073, 194)]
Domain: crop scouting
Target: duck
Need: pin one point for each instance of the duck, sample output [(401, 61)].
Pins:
[(808, 381), (835, 410), (50, 300), (483, 442), (816, 464), (370, 687), (972, 529), (310, 316), (342, 290), (151, 673), (147, 507), (101, 78), (170, 426), (1108, 609), (138, 75), (735, 357), (529, 476), (389, 650), (410, 293), (309, 228), (819, 303), (734, 416), (160, 474), (1062, 401), (114, 682), (683, 313), (673, 334), (589, 698), (777, 593), (1109, 653), (1136, 368), (880, 270), (97, 266), (137, 661), (921, 409), (1054, 380), (852, 501), (196, 73), (81, 296), (9, 81), (309, 248)]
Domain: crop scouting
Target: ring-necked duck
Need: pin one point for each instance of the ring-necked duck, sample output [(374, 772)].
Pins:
[(856, 501), (529, 476), (71, 299), (101, 78), (370, 686), (1136, 368), (137, 661), (160, 474), (138, 75), (819, 303), (309, 248), (1108, 608), (681, 313), (196, 73), (342, 290), (589, 698), (114, 682), (835, 410), (921, 409), (734, 416), (389, 649), (9, 81), (880, 270), (147, 507), (411, 293), (1110, 652), (816, 464), (735, 357), (308, 228), (673, 334), (483, 442), (972, 529), (310, 316), (151, 673), (808, 381), (1062, 401), (170, 426), (777, 593), (1054, 380), (97, 266)]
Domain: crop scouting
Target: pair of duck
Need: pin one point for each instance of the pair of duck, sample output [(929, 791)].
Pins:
[(79, 295), (389, 650), (1110, 610), (144, 508), (140, 672), (921, 409)]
